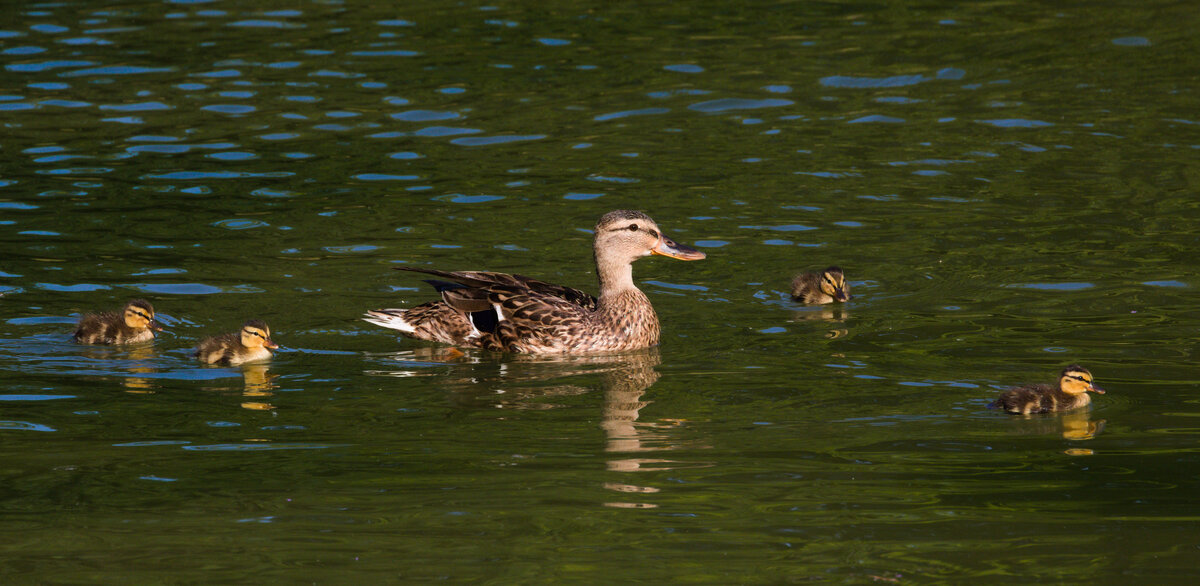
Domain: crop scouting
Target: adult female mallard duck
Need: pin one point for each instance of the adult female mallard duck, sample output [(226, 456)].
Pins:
[(249, 345), (134, 324), (514, 313), (825, 287), (1071, 393)]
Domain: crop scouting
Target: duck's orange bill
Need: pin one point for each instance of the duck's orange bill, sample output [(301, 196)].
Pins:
[(269, 344), (1096, 389), (668, 247)]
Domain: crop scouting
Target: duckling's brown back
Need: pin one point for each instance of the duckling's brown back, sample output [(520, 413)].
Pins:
[(101, 328), (1031, 399), (218, 349), (806, 287)]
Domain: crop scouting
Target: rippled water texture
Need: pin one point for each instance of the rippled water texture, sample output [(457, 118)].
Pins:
[(1010, 188)]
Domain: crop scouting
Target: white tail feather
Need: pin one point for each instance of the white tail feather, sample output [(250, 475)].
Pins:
[(389, 318)]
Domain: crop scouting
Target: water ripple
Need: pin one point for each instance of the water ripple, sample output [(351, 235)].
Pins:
[(441, 131), (426, 115), (259, 447), (628, 113), (726, 104), (1016, 123), (490, 140), (117, 70), (843, 81), (24, 426)]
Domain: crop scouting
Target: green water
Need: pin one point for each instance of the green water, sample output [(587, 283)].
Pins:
[(1010, 188)]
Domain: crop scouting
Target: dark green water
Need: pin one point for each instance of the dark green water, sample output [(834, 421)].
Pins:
[(1010, 187)]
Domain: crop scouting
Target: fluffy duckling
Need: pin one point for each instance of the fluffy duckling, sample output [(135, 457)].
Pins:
[(134, 324), (1071, 393), (249, 345), (825, 287)]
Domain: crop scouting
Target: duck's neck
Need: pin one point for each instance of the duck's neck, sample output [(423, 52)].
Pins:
[(618, 295), (616, 276)]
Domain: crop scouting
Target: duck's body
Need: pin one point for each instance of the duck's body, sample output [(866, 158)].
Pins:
[(133, 325), (513, 313), (251, 344), (826, 286), (1070, 393)]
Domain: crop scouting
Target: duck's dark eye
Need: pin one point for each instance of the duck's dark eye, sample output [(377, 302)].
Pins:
[(632, 228)]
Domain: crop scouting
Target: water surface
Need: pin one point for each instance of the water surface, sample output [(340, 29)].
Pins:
[(1010, 188)]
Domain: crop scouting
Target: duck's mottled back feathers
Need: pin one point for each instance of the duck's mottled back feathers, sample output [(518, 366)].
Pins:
[(487, 281)]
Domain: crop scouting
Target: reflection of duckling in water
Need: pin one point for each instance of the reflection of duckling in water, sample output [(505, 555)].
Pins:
[(1071, 393), (134, 324), (258, 386), (1078, 426), (825, 287), (250, 345)]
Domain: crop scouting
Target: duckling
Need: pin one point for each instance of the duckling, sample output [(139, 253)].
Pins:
[(250, 345), (826, 287), (1071, 393), (134, 324)]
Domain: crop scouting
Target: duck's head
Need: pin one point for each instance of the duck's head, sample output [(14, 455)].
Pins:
[(625, 236), (255, 333), (138, 314), (1076, 380), (833, 284)]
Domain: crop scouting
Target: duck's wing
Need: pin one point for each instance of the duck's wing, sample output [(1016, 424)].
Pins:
[(514, 312), (485, 281), (535, 321)]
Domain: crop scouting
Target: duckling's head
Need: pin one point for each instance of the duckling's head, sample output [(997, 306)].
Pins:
[(140, 314), (625, 236), (833, 284), (1076, 380), (255, 334)]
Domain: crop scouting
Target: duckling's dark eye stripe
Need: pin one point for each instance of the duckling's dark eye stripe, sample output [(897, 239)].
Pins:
[(254, 333), (1079, 378), (136, 312)]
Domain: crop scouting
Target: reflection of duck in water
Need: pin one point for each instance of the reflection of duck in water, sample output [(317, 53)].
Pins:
[(523, 381), (134, 324), (1070, 393), (825, 287), (249, 345), (623, 389), (513, 313)]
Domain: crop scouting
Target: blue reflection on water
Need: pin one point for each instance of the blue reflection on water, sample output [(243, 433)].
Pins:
[(24, 426)]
